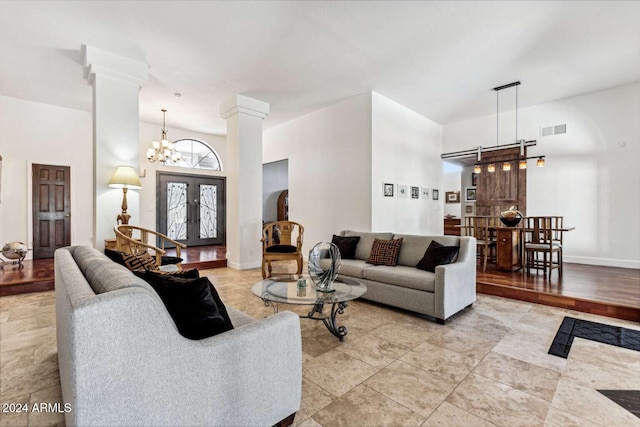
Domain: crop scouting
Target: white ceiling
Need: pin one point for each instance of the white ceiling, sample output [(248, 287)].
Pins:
[(440, 59)]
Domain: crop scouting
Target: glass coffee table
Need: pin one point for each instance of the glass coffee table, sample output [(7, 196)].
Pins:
[(285, 290)]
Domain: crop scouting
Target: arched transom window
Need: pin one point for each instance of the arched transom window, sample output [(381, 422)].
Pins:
[(197, 154)]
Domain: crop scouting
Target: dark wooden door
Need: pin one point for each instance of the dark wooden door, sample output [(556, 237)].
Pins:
[(191, 208), (499, 190), (51, 209)]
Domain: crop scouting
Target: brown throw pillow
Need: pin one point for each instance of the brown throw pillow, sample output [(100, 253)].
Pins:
[(385, 252), (142, 261)]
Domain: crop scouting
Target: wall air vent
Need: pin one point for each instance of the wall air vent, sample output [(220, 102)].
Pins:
[(553, 130)]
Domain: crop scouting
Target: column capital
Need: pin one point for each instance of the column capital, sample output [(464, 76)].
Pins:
[(245, 105), (98, 61)]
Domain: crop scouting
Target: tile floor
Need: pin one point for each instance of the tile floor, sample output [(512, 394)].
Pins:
[(488, 366)]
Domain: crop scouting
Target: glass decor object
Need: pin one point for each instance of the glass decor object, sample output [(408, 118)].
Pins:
[(324, 265)]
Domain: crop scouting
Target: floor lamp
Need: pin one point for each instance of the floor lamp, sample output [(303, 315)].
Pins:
[(125, 177)]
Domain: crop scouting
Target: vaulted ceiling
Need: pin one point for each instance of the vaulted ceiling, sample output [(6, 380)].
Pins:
[(440, 59)]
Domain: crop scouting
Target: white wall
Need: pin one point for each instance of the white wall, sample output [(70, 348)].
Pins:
[(152, 132), (406, 149), (329, 154), (451, 182), (32, 132), (591, 174), (275, 179)]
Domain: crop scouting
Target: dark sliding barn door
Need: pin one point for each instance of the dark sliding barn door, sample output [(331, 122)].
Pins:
[(499, 190), (51, 209)]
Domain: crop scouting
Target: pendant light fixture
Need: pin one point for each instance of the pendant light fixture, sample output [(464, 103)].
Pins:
[(520, 160), (163, 151)]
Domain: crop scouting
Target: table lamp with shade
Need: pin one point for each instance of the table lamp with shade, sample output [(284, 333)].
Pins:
[(125, 177)]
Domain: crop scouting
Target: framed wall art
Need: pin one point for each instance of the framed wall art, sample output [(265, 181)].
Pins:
[(452, 197), (470, 194), (424, 191), (435, 194), (403, 191), (415, 192), (387, 189)]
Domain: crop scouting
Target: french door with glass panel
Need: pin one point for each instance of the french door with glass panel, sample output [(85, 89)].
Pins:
[(191, 208)]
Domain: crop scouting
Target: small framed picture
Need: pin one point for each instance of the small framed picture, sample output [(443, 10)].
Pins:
[(468, 209), (474, 178), (415, 192), (387, 189), (470, 194), (452, 197), (403, 191), (435, 194), (424, 191)]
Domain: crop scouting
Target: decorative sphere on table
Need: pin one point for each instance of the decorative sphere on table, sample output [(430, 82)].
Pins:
[(324, 265), (15, 250)]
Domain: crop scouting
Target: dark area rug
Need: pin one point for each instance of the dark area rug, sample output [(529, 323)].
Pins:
[(628, 399), (600, 332)]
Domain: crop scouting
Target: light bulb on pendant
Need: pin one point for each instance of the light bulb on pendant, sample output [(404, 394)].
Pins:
[(491, 167), (540, 162), (523, 164), (506, 166), (477, 169)]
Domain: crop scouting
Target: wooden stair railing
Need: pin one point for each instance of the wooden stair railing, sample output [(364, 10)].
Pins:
[(135, 240)]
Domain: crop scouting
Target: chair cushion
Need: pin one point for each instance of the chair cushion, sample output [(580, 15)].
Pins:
[(142, 261), (437, 254), (385, 252), (407, 277), (194, 304), (346, 245), (349, 267), (167, 260), (542, 246), (281, 249)]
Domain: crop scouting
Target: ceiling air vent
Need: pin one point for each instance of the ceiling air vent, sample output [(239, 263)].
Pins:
[(553, 130)]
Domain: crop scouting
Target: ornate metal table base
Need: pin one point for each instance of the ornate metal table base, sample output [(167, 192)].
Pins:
[(328, 320)]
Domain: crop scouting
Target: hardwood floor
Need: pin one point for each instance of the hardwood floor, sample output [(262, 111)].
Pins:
[(608, 291)]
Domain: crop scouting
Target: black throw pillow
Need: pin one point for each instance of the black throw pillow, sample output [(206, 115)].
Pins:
[(115, 256), (346, 245), (194, 304), (437, 254), (191, 273)]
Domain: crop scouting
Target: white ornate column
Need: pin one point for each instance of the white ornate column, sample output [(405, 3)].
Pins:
[(116, 83), (244, 117)]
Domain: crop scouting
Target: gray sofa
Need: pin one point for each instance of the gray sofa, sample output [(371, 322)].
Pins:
[(441, 294), (123, 362)]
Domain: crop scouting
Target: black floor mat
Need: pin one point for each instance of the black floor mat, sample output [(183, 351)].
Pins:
[(628, 399), (607, 334)]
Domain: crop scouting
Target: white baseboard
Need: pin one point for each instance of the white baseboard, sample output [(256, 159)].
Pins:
[(605, 262), (245, 266)]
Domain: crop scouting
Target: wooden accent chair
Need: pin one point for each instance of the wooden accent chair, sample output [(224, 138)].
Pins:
[(135, 240), (479, 227), (278, 244), (543, 234)]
